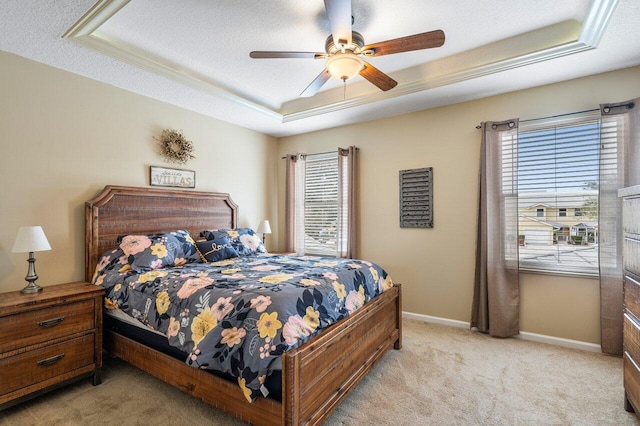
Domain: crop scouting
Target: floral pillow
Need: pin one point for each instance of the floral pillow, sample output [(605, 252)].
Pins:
[(215, 250), (110, 259), (146, 252), (244, 240)]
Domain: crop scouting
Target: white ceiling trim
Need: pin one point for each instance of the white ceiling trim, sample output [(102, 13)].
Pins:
[(558, 40), (597, 20), (535, 46), (85, 32), (562, 40)]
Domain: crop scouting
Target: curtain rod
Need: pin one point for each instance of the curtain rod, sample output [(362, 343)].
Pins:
[(479, 126), (628, 105), (319, 153)]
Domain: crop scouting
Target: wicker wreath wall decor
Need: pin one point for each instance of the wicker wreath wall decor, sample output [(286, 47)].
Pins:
[(174, 147)]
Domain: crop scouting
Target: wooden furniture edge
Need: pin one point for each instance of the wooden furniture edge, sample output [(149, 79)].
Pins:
[(52, 296), (227, 396), (56, 294), (44, 387), (201, 384), (219, 392), (92, 213), (341, 334)]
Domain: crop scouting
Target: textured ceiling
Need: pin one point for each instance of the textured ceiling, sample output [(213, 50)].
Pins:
[(195, 53)]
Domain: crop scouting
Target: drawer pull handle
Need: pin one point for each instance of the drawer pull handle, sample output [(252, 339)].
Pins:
[(51, 322), (51, 360)]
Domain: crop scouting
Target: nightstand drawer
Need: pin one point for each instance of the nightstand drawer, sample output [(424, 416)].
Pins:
[(26, 328), (32, 367)]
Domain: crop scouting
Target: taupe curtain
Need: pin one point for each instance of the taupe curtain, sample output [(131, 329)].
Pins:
[(347, 202), (496, 298), (620, 145), (294, 204)]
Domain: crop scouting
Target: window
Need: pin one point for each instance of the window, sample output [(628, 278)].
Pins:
[(558, 166), (321, 204)]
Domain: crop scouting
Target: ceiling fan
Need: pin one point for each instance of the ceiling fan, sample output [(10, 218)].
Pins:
[(345, 49)]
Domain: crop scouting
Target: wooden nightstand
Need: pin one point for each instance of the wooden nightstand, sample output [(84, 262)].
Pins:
[(49, 339)]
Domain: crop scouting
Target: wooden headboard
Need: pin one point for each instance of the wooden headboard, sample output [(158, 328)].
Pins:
[(123, 210)]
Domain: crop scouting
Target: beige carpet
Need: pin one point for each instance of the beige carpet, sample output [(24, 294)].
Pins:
[(442, 376)]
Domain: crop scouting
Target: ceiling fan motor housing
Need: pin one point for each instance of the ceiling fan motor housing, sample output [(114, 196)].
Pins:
[(357, 42)]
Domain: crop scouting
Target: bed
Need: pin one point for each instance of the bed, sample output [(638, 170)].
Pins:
[(314, 376)]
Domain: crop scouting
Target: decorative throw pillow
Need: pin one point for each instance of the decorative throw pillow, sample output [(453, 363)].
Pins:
[(244, 240), (146, 252), (215, 250), (110, 259)]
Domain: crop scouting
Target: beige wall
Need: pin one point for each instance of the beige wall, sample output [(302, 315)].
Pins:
[(64, 137), (436, 266)]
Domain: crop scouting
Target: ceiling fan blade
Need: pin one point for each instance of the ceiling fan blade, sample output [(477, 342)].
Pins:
[(377, 77), (339, 14), (259, 54), (406, 44), (316, 84)]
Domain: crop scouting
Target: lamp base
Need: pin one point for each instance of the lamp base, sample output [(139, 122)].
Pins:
[(31, 277), (32, 287)]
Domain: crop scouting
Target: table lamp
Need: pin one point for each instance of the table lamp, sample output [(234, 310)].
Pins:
[(31, 239), (264, 228)]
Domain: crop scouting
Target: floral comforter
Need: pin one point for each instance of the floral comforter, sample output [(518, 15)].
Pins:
[(239, 315)]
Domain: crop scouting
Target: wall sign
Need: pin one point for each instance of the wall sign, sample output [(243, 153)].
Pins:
[(161, 176), (416, 198)]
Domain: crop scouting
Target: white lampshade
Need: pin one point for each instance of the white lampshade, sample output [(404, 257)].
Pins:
[(30, 238), (264, 227), (344, 65)]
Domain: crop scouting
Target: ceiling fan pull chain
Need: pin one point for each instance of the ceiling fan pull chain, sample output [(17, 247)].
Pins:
[(344, 89)]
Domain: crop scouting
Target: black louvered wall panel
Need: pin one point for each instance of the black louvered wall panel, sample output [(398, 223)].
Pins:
[(416, 198)]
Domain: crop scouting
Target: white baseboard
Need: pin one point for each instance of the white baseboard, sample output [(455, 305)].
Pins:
[(559, 341), (435, 320), (524, 335)]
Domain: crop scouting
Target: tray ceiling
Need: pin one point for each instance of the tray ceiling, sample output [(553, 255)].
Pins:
[(195, 53)]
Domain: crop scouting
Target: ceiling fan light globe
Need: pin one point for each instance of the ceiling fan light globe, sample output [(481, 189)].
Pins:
[(344, 65)]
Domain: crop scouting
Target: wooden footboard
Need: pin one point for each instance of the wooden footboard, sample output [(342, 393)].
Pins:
[(322, 372), (316, 377)]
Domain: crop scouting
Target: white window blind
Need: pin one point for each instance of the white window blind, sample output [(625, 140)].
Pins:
[(558, 174), (321, 204)]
